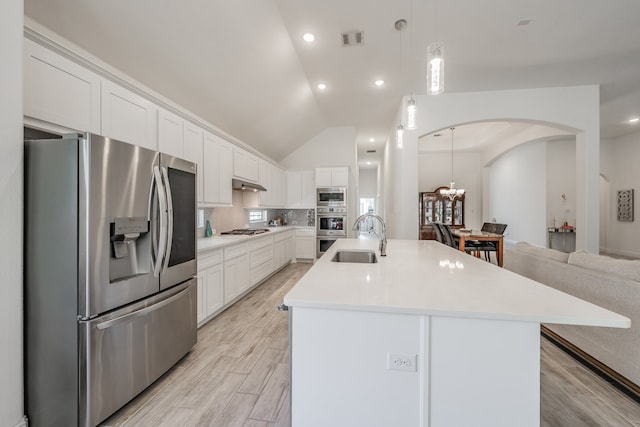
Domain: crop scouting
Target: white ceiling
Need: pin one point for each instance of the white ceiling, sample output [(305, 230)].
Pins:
[(242, 64)]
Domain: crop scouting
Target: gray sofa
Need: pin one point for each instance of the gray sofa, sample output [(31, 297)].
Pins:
[(610, 283)]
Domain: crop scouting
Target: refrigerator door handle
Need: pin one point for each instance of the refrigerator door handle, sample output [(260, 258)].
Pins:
[(112, 322), (162, 201), (170, 217)]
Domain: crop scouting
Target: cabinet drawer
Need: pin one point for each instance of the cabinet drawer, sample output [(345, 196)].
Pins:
[(261, 242), (209, 259), (282, 236), (235, 251), (261, 256), (305, 232)]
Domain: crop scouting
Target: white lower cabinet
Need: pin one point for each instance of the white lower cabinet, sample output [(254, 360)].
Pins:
[(261, 256), (283, 244), (236, 271), (305, 247), (210, 284)]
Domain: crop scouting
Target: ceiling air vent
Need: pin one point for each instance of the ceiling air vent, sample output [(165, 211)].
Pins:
[(352, 38), (371, 151)]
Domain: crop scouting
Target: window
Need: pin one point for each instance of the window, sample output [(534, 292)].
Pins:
[(257, 216)]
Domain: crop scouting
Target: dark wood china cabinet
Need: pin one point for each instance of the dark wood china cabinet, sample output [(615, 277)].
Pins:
[(435, 207)]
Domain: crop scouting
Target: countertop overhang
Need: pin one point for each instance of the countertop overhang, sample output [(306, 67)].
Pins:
[(424, 277)]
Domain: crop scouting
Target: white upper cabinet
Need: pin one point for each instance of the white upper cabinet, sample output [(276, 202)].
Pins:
[(265, 179), (170, 133), (245, 165), (128, 117), (217, 170), (279, 185), (59, 91), (332, 177), (193, 152), (301, 189)]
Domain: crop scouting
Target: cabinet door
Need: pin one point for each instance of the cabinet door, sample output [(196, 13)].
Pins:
[(294, 189), (193, 152), (202, 296), (226, 172), (305, 247), (59, 91), (323, 177), (308, 189), (211, 168), (278, 186), (128, 117), (214, 289), (245, 165), (340, 177), (236, 277), (264, 179), (170, 133)]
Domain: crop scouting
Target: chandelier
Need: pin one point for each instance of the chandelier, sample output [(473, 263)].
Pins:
[(452, 192)]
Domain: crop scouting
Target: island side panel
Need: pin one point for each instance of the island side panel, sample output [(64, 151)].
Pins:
[(339, 368), (484, 373)]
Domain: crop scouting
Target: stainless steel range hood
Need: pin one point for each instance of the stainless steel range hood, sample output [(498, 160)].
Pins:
[(240, 185)]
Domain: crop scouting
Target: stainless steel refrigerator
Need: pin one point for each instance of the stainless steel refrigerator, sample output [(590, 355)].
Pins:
[(110, 266)]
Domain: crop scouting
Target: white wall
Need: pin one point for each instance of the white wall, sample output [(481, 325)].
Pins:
[(574, 108), (334, 146), (11, 159), (620, 166), (368, 182), (517, 193), (561, 179)]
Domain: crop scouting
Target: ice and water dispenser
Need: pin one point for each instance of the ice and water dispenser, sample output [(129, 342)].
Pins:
[(130, 248)]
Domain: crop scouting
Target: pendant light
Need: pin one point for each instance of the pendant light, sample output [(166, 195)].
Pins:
[(400, 136), (452, 192), (400, 25), (435, 62), (411, 114)]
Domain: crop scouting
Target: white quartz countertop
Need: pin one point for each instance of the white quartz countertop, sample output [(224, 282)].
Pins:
[(219, 241), (425, 277)]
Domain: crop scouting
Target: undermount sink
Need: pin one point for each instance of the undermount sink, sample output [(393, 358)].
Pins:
[(362, 257)]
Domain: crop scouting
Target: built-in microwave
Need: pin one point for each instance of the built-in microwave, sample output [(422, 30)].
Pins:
[(331, 196)]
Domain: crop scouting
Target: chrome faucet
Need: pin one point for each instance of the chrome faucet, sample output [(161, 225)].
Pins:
[(383, 235)]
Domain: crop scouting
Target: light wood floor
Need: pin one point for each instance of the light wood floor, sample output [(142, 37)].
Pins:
[(237, 375)]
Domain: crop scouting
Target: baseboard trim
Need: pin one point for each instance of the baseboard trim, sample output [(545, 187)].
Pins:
[(620, 382)]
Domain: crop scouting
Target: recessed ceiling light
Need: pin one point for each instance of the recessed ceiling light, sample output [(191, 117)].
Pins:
[(371, 140), (368, 163), (322, 86), (308, 37), (379, 82), (634, 120)]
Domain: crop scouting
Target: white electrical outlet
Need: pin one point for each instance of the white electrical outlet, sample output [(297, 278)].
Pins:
[(401, 362)]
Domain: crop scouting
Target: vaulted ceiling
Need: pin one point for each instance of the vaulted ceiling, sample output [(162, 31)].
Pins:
[(242, 64)]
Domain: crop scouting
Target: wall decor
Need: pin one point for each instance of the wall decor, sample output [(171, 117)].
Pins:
[(625, 205)]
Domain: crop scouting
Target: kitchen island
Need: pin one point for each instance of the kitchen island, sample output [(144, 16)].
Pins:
[(426, 336)]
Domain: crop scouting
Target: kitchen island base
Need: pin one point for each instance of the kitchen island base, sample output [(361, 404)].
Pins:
[(468, 371)]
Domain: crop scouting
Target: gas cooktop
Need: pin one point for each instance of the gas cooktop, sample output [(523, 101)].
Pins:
[(245, 231)]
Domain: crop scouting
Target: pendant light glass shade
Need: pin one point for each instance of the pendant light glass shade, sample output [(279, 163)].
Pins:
[(411, 114), (400, 136), (435, 68)]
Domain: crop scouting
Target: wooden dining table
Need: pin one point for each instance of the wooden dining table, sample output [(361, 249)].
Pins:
[(482, 236)]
